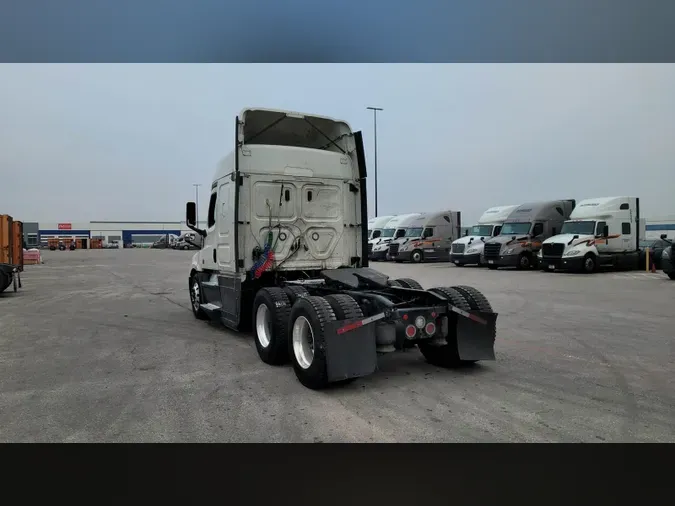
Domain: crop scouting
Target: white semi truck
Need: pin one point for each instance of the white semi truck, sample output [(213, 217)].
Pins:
[(601, 232), (285, 255), (380, 250), (468, 250), (375, 226)]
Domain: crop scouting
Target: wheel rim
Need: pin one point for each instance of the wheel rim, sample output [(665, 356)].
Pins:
[(303, 342), (194, 295), (524, 261), (263, 325), (589, 264), (416, 257)]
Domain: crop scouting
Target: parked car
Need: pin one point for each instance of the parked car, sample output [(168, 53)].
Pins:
[(656, 247)]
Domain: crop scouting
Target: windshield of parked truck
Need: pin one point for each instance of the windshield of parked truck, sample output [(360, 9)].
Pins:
[(515, 228), (413, 232), (388, 232), (578, 228), (481, 230)]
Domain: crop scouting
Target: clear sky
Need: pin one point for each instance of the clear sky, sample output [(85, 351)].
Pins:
[(126, 142)]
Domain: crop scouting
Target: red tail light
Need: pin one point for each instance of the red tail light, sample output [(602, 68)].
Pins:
[(430, 329), (410, 331)]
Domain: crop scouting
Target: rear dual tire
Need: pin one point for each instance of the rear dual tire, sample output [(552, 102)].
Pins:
[(294, 330), (462, 297)]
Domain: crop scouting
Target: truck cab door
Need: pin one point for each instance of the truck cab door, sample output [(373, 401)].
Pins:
[(602, 245), (224, 227), (208, 255)]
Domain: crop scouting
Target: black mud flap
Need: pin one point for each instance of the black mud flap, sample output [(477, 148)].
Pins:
[(352, 354), (475, 340)]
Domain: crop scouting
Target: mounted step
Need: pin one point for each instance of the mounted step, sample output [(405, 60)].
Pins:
[(212, 310)]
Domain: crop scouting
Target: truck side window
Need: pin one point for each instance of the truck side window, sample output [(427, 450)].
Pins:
[(625, 228), (428, 232), (498, 229), (538, 229), (376, 234), (599, 228), (212, 210)]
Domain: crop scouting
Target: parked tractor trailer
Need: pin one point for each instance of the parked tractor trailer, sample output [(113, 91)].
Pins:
[(380, 250), (468, 250), (523, 232), (602, 232), (438, 230), (285, 254)]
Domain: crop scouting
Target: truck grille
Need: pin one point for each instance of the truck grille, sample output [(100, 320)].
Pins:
[(393, 250), (552, 250), (458, 248), (492, 249)]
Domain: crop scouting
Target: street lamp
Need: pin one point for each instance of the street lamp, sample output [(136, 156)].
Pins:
[(375, 109), (196, 203)]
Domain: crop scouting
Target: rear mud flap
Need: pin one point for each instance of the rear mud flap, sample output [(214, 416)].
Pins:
[(475, 340), (352, 354)]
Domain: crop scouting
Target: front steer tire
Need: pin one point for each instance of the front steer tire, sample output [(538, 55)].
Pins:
[(271, 312), (446, 355), (306, 325), (196, 298)]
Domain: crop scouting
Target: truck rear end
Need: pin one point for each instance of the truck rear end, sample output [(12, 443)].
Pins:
[(286, 255)]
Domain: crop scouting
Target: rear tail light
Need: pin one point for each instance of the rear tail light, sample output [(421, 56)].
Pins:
[(410, 331), (420, 322), (430, 329)]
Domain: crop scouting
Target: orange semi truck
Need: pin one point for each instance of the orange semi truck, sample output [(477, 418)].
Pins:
[(11, 252)]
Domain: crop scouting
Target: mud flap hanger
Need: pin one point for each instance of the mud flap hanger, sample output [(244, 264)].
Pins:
[(395, 313)]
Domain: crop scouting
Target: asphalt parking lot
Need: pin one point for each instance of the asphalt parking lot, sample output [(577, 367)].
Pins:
[(101, 346)]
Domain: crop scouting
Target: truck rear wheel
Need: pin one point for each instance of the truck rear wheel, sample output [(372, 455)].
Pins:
[(271, 310), (394, 282), (306, 345), (295, 291), (477, 301), (344, 306), (410, 283), (446, 355)]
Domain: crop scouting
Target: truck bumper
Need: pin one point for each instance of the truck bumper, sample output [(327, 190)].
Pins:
[(465, 259), (503, 261), (378, 255), (403, 256), (558, 263)]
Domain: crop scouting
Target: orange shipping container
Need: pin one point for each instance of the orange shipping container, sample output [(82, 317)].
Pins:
[(11, 241)]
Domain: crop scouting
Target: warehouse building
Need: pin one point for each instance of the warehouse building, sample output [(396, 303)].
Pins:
[(124, 233)]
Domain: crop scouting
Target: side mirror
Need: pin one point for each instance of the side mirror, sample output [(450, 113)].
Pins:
[(191, 214), (605, 231), (191, 218)]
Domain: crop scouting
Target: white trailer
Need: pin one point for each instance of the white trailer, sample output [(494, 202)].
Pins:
[(468, 250), (284, 254), (601, 232)]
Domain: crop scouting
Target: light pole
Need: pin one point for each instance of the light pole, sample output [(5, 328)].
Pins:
[(375, 109), (196, 203)]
